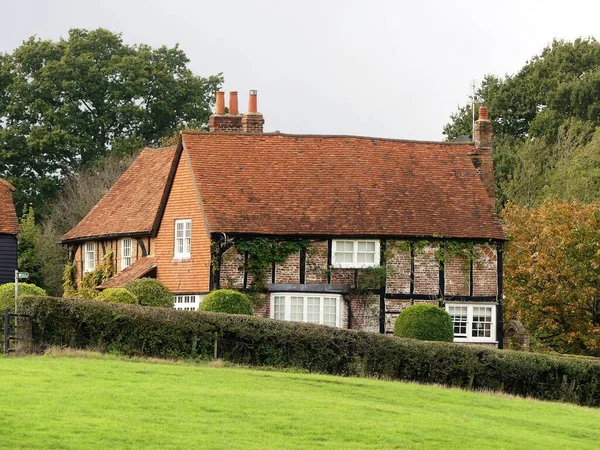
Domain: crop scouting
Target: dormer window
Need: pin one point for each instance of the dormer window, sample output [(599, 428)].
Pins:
[(355, 253), (183, 238)]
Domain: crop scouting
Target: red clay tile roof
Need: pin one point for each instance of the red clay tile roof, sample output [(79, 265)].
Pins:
[(132, 204), (8, 215), (136, 270), (339, 185)]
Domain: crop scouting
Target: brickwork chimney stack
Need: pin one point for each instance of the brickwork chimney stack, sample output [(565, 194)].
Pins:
[(252, 121), (482, 157), (220, 122)]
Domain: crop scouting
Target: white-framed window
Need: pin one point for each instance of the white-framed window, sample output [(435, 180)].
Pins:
[(183, 238), (355, 253), (126, 246), (473, 323), (89, 257), (187, 302), (324, 309)]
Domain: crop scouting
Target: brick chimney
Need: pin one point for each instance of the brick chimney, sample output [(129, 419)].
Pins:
[(482, 157), (252, 121), (220, 122)]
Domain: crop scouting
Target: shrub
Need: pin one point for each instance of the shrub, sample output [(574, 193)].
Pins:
[(426, 323), (227, 301), (150, 292), (117, 295), (137, 330), (7, 294)]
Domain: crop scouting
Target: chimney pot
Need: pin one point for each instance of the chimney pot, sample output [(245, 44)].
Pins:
[(233, 103), (220, 106), (252, 103), (483, 113)]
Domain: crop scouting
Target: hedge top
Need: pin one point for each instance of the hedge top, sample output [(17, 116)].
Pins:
[(426, 323), (150, 292), (227, 301), (7, 294)]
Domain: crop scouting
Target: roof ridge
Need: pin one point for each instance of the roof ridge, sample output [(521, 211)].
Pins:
[(340, 136)]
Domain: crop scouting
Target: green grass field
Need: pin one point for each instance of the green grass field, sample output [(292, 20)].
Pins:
[(106, 402)]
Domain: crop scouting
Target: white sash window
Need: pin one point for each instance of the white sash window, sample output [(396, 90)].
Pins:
[(183, 238)]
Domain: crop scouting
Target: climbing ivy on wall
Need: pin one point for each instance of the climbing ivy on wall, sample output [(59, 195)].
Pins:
[(87, 288), (263, 252)]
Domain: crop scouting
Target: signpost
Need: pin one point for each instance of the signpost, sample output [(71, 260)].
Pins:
[(19, 276)]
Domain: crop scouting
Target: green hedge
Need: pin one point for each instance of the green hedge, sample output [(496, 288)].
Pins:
[(426, 323), (139, 330), (227, 301)]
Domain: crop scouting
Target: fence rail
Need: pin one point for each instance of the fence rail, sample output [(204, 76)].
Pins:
[(15, 328)]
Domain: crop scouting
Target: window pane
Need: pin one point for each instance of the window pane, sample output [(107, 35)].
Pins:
[(459, 320), (482, 322), (313, 309), (297, 309), (330, 311), (279, 308), (362, 246), (370, 246)]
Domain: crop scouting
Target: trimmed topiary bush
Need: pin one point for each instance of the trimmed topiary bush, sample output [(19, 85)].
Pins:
[(150, 292), (227, 301), (118, 295), (7, 294), (426, 323)]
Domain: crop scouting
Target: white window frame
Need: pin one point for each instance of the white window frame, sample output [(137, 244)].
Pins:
[(288, 310), (89, 257), (185, 238), (126, 260), (469, 337), (187, 302), (354, 264)]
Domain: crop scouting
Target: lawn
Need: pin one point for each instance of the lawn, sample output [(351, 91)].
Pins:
[(106, 402)]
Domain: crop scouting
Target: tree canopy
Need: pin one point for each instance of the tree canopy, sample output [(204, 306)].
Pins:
[(544, 118), (551, 274), (65, 104)]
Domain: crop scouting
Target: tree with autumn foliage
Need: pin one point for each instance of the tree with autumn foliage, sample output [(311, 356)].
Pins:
[(552, 274)]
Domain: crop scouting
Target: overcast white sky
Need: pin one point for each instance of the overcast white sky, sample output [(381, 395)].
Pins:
[(363, 67)]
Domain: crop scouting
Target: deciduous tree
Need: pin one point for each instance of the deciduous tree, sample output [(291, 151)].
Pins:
[(552, 274), (65, 104)]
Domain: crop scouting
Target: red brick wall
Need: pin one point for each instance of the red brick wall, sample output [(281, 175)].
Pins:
[(316, 263), (398, 267), (232, 269), (457, 275), (288, 272), (427, 271), (485, 282), (365, 312)]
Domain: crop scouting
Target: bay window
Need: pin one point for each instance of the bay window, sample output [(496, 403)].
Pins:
[(323, 309), (473, 323), (355, 253)]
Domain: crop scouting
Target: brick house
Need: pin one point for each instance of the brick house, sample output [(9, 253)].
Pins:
[(377, 224), (9, 229)]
